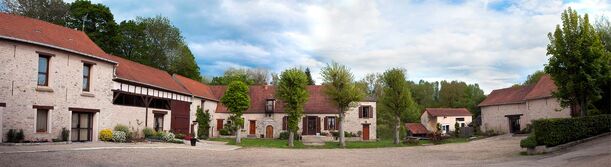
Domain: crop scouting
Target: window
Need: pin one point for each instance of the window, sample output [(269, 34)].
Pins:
[(365, 112), (86, 77), (42, 116), (43, 70), (331, 123), (158, 122), (269, 105), (460, 119)]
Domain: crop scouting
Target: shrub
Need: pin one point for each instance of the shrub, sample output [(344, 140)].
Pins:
[(412, 141), (285, 136), (556, 131), (456, 129), (180, 136), (159, 134), (106, 135), (19, 136), (124, 129), (168, 137), (118, 136), (224, 132), (529, 142), (65, 134), (11, 136), (176, 141), (148, 132), (526, 130), (435, 137)]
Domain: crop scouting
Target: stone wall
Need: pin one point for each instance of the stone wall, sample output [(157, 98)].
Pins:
[(493, 117)]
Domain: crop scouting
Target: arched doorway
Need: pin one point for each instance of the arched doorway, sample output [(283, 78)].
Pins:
[(269, 132)]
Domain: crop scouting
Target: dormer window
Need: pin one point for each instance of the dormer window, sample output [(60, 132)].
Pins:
[(270, 105)]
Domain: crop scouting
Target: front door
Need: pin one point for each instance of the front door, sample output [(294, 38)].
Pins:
[(253, 127), (269, 132), (82, 124), (514, 124), (312, 125), (365, 131)]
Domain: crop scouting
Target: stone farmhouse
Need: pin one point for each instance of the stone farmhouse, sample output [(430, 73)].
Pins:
[(510, 110), (446, 118), (52, 77)]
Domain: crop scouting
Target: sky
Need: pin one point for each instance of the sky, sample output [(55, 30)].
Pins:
[(494, 43)]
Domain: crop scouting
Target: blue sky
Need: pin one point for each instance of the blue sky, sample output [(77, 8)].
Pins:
[(494, 43)]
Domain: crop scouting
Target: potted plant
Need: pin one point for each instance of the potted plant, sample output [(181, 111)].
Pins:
[(192, 139)]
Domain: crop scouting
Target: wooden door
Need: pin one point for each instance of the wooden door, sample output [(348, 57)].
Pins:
[(365, 131), (179, 122), (253, 127), (269, 132)]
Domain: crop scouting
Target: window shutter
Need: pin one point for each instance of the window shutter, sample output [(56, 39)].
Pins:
[(337, 120), (317, 124), (285, 123), (370, 112), (326, 127), (360, 112), (304, 129)]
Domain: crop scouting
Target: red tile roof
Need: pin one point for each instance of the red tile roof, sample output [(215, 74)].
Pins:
[(43, 33), (543, 89), (317, 103), (196, 88), (447, 112), (519, 94), (39, 32), (416, 128)]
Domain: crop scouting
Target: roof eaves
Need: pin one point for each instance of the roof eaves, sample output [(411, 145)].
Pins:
[(59, 48), (154, 86)]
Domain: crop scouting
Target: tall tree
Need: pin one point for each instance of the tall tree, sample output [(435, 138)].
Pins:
[(532, 79), (309, 75), (339, 86), (96, 21), (396, 99), (291, 89), (164, 41), (54, 11), (603, 27), (256, 76), (237, 101), (185, 64), (578, 61), (131, 42), (372, 84)]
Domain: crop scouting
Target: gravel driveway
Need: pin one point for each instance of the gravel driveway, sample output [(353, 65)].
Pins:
[(495, 151)]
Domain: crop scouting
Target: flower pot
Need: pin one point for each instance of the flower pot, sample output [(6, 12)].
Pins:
[(193, 142)]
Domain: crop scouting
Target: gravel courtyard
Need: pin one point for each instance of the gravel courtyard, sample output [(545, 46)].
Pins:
[(495, 151)]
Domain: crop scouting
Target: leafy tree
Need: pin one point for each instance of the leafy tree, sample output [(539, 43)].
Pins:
[(339, 86), (237, 101), (248, 76), (54, 11), (203, 123), (372, 84), (396, 99), (425, 94), (291, 89), (185, 64), (603, 27), (532, 79), (96, 21), (578, 61), (457, 94), (131, 43), (309, 75)]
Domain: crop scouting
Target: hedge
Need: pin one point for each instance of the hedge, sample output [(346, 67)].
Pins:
[(556, 131)]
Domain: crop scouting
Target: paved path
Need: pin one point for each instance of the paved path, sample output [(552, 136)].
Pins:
[(496, 151)]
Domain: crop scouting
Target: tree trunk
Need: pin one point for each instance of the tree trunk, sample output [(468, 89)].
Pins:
[(397, 127), (342, 139), (291, 138), (583, 107), (237, 136)]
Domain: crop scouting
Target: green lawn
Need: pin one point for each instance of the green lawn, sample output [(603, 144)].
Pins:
[(277, 143)]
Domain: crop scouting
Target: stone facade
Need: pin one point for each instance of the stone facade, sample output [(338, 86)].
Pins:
[(494, 117)]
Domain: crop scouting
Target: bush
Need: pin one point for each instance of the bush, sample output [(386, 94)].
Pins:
[(435, 137), (118, 136), (529, 142), (124, 129), (168, 137), (224, 132), (11, 136), (556, 131), (19, 136), (412, 141), (106, 135), (526, 130), (177, 141), (285, 136), (148, 132), (65, 134), (180, 136)]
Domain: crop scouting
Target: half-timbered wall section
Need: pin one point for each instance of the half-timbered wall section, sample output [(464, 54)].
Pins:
[(147, 91)]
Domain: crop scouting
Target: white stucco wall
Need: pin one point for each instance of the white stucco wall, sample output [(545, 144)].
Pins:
[(451, 120), (493, 117)]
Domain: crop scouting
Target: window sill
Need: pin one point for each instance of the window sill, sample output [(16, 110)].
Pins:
[(87, 94), (44, 89)]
